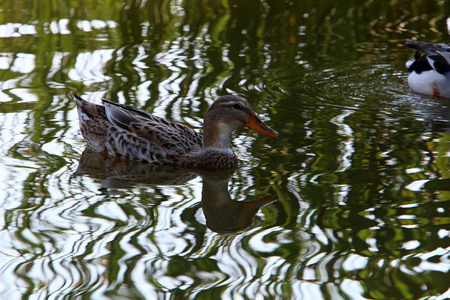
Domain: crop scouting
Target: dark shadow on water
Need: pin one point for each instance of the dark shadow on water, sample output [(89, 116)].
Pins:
[(222, 213)]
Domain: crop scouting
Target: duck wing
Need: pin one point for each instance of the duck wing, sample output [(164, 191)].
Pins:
[(440, 62), (427, 48), (445, 55), (437, 57), (141, 136)]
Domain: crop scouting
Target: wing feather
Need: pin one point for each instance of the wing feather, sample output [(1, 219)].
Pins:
[(165, 134)]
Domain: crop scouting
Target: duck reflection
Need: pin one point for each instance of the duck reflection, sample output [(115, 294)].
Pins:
[(223, 214)]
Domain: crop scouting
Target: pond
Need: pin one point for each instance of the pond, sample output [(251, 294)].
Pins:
[(352, 201)]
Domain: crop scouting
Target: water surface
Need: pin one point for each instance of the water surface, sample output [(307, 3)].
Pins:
[(351, 202)]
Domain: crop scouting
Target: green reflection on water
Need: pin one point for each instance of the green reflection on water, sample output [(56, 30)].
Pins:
[(361, 170)]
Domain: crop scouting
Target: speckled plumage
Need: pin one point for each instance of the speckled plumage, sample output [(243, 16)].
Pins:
[(128, 132)]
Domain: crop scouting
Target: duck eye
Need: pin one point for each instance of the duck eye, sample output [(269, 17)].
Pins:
[(237, 106)]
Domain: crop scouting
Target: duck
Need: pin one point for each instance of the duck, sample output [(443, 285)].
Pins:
[(130, 133), (429, 70)]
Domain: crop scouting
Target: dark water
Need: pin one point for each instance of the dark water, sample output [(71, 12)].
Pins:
[(351, 202)]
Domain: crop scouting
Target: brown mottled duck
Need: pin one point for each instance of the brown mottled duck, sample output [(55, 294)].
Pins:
[(131, 133)]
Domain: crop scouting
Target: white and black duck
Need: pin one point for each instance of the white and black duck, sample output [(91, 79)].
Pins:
[(429, 70)]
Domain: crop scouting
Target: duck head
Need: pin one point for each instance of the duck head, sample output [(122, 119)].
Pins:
[(225, 115)]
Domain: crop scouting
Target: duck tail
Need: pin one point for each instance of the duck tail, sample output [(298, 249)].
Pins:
[(77, 99)]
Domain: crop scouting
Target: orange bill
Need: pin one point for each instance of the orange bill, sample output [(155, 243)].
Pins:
[(258, 125)]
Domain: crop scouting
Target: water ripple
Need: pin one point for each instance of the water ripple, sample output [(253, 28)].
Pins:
[(360, 172)]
